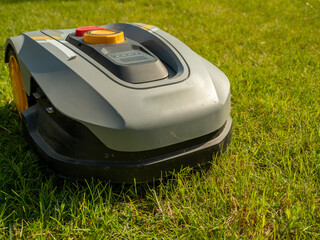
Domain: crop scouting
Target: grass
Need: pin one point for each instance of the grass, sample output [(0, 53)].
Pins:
[(267, 184)]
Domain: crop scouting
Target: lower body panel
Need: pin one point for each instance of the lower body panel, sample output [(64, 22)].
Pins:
[(78, 157)]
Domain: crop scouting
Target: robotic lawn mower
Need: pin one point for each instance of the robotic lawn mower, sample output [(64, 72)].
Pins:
[(119, 102)]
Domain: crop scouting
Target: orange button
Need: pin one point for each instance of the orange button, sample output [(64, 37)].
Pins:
[(105, 36)]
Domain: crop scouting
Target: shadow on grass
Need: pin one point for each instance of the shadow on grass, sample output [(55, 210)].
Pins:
[(31, 192)]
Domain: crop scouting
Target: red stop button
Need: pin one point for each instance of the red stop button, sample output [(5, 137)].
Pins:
[(80, 31)]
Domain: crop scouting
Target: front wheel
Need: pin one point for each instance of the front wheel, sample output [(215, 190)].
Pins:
[(18, 91)]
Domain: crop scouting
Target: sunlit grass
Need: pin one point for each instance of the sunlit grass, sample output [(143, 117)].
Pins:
[(265, 186)]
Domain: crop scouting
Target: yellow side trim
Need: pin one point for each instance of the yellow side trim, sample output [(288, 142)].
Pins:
[(146, 27), (56, 37), (45, 37)]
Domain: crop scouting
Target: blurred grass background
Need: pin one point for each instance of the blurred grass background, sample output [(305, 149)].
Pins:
[(266, 186)]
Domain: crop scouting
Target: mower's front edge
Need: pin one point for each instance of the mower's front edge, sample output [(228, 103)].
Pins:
[(125, 171)]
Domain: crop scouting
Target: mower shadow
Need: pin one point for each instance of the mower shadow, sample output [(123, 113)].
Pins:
[(10, 128), (31, 191), (20, 161)]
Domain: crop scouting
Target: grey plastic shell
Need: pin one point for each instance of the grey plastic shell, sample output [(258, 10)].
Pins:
[(125, 116)]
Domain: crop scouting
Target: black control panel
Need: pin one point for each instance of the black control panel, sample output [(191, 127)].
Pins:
[(129, 60)]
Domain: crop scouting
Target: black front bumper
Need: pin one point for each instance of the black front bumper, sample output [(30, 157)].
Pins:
[(79, 154)]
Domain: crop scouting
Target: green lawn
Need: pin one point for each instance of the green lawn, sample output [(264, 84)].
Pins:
[(267, 184)]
